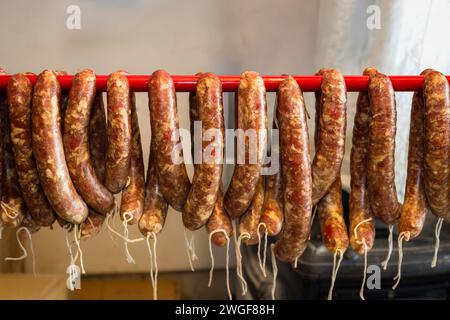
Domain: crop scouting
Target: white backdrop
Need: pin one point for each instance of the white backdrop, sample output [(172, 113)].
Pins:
[(226, 37)]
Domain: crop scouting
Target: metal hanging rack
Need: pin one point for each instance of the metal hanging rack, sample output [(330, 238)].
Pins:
[(187, 83)]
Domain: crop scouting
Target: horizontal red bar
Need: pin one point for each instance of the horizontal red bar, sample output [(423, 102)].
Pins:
[(138, 83)]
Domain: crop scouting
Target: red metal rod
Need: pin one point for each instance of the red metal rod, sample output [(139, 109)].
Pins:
[(186, 83)]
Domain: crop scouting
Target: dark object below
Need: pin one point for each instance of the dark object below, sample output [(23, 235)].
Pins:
[(312, 278)]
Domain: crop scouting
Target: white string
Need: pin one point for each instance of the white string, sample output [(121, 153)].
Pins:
[(190, 249), (334, 272), (25, 254), (119, 235), (242, 236), (363, 241), (437, 233), (391, 244), (262, 263), (6, 207), (153, 263), (211, 271), (400, 259), (357, 226), (296, 262), (126, 218), (77, 241), (363, 284), (274, 270)]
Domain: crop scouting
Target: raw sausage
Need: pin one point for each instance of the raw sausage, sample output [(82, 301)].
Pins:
[(331, 218), (132, 202), (381, 167), (13, 207), (359, 202), (249, 221), (207, 175), (252, 120), (219, 219), (20, 92), (172, 176), (155, 206), (329, 208), (296, 171), (437, 143), (49, 152), (119, 132), (97, 147), (414, 209), (29, 223), (272, 214), (331, 138), (76, 144)]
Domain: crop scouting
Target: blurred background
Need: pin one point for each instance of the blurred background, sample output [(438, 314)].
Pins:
[(185, 37)]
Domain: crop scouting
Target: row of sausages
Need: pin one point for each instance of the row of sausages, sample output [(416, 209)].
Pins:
[(63, 157)]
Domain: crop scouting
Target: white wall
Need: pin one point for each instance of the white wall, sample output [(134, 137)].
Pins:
[(184, 37)]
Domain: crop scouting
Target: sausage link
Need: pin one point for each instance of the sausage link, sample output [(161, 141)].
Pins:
[(155, 206), (76, 144), (414, 209), (437, 143), (172, 176), (381, 168), (331, 218), (358, 200), (29, 223), (208, 174), (329, 208), (219, 219), (20, 92), (132, 202), (330, 144), (49, 152), (296, 171), (251, 118), (118, 132), (13, 207), (272, 214), (92, 225), (249, 221), (97, 147), (98, 142)]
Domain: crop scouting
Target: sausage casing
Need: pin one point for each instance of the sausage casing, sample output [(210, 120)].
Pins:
[(296, 171), (332, 120), (381, 168), (20, 93), (155, 205), (132, 202), (76, 144), (249, 221), (219, 219), (97, 147), (359, 201), (414, 209), (172, 176), (49, 152), (118, 132), (251, 118), (13, 207), (437, 143), (208, 174)]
